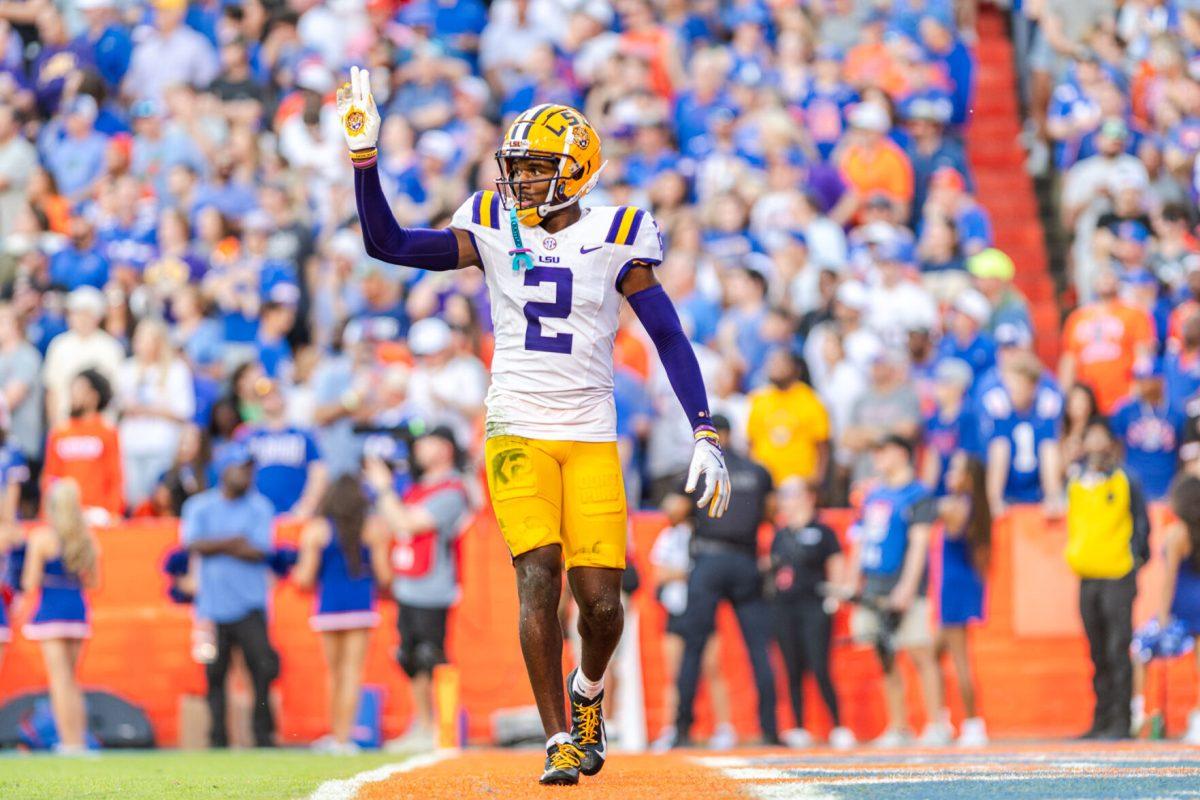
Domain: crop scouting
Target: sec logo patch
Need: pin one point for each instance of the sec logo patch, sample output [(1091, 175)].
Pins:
[(549, 243)]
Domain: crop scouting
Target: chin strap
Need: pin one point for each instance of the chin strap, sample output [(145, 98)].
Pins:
[(546, 209), (520, 253)]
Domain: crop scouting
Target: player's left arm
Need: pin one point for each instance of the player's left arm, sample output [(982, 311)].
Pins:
[(649, 301)]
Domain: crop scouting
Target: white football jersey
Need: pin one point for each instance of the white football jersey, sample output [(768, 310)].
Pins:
[(552, 371)]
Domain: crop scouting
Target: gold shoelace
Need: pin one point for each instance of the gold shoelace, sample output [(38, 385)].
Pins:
[(568, 756), (589, 723)]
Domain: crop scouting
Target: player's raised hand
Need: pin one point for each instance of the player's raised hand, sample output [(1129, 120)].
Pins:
[(708, 461), (360, 117)]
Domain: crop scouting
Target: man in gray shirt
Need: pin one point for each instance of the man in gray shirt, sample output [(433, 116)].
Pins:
[(890, 407), (427, 522)]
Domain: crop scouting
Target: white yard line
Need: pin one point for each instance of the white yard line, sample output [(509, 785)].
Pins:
[(347, 788)]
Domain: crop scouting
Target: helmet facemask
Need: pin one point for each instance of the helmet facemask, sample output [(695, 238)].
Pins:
[(554, 198)]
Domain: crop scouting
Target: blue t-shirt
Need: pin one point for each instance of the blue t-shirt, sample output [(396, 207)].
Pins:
[(992, 401), (13, 468), (73, 268), (1181, 378), (979, 353), (946, 436), (229, 588), (882, 532), (1151, 435), (1025, 432), (825, 114), (281, 459)]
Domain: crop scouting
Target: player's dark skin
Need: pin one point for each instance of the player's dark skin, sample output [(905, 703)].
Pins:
[(597, 590)]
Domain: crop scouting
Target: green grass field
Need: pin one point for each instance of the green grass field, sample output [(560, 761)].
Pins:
[(171, 775)]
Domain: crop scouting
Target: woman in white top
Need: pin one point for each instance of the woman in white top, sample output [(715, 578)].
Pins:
[(155, 398)]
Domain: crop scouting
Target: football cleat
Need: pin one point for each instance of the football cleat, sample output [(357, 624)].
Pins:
[(587, 727), (562, 765)]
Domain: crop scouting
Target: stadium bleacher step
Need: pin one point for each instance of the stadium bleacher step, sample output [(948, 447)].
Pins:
[(1003, 186)]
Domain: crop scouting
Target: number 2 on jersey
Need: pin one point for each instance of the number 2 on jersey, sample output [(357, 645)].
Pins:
[(560, 308)]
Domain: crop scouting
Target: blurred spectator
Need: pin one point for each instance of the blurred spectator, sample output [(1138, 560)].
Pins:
[(890, 407), (993, 272), (83, 346), (1149, 429), (426, 522), (1180, 598), (1078, 410), (672, 562), (725, 568), (870, 162), (1024, 462), (788, 428), (1181, 365), (966, 338), (448, 385), (952, 426), (805, 557), (169, 53), (1102, 341), (155, 398), (966, 554), (1107, 542), (344, 556), (72, 150), (18, 160), (85, 447), (289, 471), (888, 571), (931, 151), (21, 387), (61, 560), (229, 528), (187, 476)]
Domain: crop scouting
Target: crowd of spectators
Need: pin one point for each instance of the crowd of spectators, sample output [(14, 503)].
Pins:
[(179, 227)]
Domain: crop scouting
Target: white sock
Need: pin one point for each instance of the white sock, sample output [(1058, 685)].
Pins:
[(583, 686), (562, 737)]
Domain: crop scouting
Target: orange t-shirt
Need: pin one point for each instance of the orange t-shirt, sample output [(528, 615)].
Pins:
[(883, 168), (87, 450), (1104, 339)]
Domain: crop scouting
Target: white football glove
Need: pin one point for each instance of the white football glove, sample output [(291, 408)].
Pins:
[(708, 461), (356, 107)]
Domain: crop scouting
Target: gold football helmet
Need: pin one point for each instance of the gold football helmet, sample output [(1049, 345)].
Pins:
[(566, 140)]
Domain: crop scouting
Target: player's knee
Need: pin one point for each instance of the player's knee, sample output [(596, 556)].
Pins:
[(539, 582), (604, 613)]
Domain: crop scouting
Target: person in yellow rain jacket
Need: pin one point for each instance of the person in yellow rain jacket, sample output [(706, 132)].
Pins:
[(1108, 533)]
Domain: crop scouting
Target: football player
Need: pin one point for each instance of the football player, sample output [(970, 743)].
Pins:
[(556, 274)]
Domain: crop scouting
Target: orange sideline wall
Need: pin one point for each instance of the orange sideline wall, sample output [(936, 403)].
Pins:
[(1030, 654)]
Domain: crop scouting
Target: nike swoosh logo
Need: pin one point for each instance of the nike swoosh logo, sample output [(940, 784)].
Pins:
[(583, 251)]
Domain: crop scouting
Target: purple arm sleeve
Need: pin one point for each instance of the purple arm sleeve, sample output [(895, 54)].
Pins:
[(660, 320), (384, 239)]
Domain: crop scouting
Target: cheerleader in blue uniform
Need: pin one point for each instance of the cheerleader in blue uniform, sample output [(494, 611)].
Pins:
[(344, 556), (13, 473), (966, 540), (60, 561), (1181, 574)]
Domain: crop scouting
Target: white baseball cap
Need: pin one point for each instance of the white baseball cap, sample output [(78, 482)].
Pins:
[(853, 294), (974, 305), (428, 336), (870, 117), (88, 299)]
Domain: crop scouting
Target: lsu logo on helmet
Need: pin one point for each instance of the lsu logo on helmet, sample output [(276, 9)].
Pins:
[(564, 138)]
